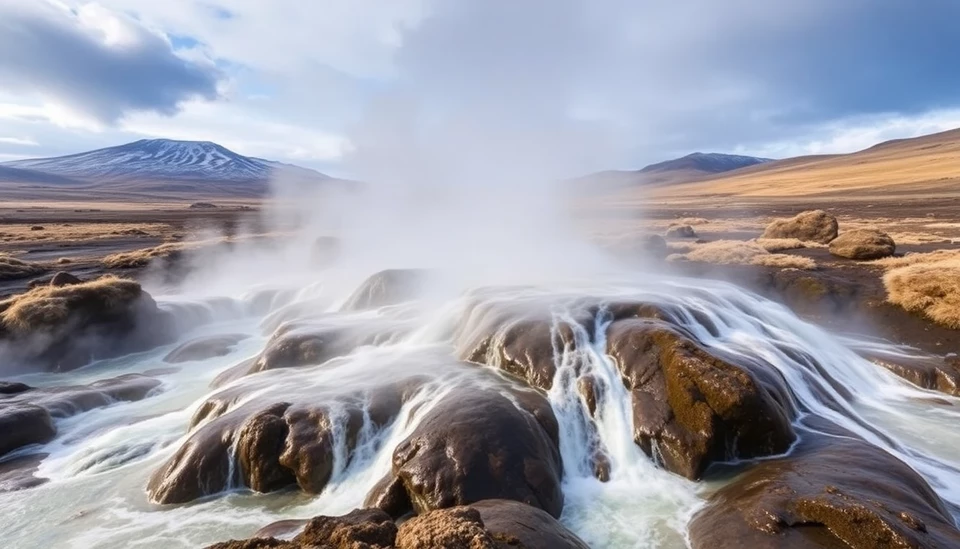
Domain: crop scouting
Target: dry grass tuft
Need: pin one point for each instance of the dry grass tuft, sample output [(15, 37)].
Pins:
[(692, 221), (141, 258), (13, 269), (937, 256), (50, 307), (725, 252), (815, 225), (930, 288), (738, 252), (781, 244), (785, 261)]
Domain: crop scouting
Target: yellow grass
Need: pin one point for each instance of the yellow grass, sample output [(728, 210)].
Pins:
[(738, 252), (937, 256), (928, 288), (142, 257), (81, 231), (783, 244), (48, 306), (12, 268), (785, 261), (692, 221)]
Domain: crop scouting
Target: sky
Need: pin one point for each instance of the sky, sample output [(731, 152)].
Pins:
[(598, 84)]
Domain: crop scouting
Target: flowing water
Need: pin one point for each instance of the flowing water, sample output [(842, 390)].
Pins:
[(100, 462)]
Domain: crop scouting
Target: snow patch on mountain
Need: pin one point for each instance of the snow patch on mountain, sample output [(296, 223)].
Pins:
[(158, 159)]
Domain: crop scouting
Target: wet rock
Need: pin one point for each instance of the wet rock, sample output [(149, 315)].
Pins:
[(66, 401), (863, 244), (52, 328), (834, 491), (203, 348), (22, 425), (64, 278), (19, 473), (927, 371), (359, 529), (813, 226), (26, 417), (388, 287), (12, 387), (691, 408), (277, 444), (533, 528), (282, 529), (311, 344), (489, 524), (457, 528), (681, 231), (809, 292), (520, 339), (475, 445)]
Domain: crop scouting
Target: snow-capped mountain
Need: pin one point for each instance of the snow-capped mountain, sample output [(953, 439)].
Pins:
[(157, 159), (706, 163)]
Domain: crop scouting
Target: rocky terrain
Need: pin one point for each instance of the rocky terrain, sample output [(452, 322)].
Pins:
[(681, 399)]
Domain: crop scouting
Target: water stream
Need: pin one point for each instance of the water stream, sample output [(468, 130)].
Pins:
[(99, 464)]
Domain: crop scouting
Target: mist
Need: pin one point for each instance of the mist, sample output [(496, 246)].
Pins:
[(462, 163)]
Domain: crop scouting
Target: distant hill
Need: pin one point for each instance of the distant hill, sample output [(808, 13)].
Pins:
[(158, 160), (705, 163), (166, 166), (912, 167), (692, 167), (10, 174)]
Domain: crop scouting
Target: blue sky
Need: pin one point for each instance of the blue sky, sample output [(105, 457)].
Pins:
[(585, 84)]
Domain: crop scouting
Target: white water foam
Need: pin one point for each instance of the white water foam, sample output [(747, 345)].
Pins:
[(100, 463)]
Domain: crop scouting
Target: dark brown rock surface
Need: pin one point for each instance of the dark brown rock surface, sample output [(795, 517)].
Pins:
[(475, 445), (836, 492)]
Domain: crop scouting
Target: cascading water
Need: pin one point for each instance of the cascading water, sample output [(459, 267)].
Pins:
[(99, 464)]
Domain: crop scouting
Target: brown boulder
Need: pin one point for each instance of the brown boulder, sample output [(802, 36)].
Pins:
[(681, 231), (489, 524), (22, 425), (309, 344), (863, 244), (12, 387), (388, 287), (691, 408), (456, 528), (927, 371), (359, 529), (476, 444), (61, 328), (19, 473), (520, 338), (203, 348), (26, 417), (276, 444), (532, 527), (833, 491), (64, 278), (815, 226)]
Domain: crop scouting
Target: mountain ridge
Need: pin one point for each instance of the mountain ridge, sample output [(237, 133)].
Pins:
[(159, 159)]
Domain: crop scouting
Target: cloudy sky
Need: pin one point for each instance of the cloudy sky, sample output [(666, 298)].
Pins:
[(639, 81)]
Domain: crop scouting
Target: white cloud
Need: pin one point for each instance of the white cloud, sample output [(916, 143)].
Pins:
[(242, 130), (857, 133), (21, 141), (633, 82)]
